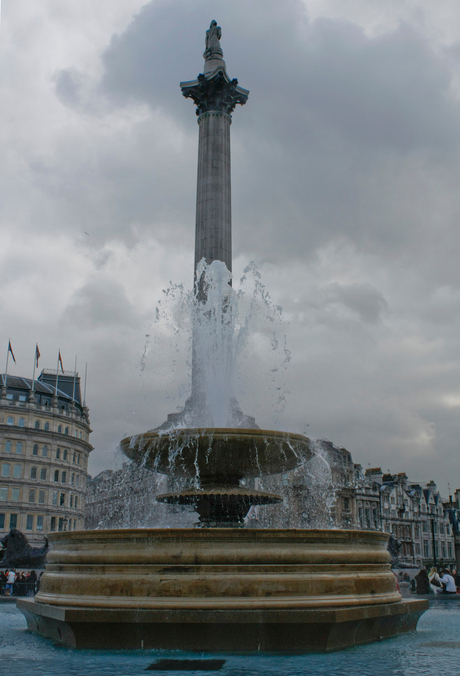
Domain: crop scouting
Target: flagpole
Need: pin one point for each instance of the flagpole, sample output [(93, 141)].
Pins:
[(86, 375), (75, 378), (33, 374), (7, 358), (57, 373)]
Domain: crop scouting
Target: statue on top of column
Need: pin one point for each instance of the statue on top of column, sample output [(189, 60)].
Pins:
[(213, 49)]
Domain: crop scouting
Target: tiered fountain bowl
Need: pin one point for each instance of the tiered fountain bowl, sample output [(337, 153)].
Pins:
[(217, 460), (221, 588)]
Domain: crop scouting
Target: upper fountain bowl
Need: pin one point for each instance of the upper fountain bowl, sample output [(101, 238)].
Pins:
[(222, 452)]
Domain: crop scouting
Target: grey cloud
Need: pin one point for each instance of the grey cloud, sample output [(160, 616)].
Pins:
[(101, 302), (366, 301)]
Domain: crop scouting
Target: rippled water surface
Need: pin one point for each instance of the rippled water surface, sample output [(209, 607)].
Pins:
[(433, 650)]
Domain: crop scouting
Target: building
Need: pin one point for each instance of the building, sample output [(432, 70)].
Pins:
[(125, 498), (44, 449)]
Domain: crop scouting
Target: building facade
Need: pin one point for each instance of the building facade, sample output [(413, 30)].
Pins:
[(44, 449)]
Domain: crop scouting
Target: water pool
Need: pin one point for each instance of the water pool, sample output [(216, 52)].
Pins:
[(434, 649)]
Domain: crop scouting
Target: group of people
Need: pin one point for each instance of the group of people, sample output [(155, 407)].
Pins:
[(434, 582), (19, 583)]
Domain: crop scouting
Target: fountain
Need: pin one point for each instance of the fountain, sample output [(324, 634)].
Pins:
[(219, 586)]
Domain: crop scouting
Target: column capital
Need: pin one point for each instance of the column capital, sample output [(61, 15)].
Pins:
[(215, 92)]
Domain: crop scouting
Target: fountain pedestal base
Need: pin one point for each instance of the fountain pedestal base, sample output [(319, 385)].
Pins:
[(288, 630)]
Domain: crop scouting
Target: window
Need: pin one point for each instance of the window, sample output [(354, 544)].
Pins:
[(60, 429), (5, 470), (61, 524), (56, 475), (35, 449), (72, 480), (76, 434), (30, 522), (81, 437), (71, 500), (15, 495), (47, 426), (2, 521), (41, 497), (33, 472), (10, 420), (74, 457), (78, 479), (43, 474), (64, 477), (31, 495), (76, 502), (21, 422), (392, 500), (53, 523), (346, 503), (426, 548), (62, 499), (78, 459), (64, 455), (22, 397), (13, 521), (45, 451), (55, 498), (58, 453), (449, 549), (37, 424), (7, 446), (17, 471), (10, 397), (19, 447), (3, 494), (66, 431), (40, 522)]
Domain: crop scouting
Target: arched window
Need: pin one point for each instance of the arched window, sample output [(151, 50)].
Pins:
[(5, 469), (33, 472), (21, 422), (75, 457), (58, 453), (10, 420), (37, 424), (35, 449), (56, 475), (45, 451), (60, 429), (7, 446), (64, 455), (66, 431), (19, 447), (47, 426)]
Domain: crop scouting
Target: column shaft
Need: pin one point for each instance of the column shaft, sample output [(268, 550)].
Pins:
[(213, 235)]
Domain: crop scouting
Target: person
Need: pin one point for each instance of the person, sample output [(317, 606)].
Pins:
[(448, 582), (423, 582), (10, 582), (435, 582), (3, 579), (31, 582)]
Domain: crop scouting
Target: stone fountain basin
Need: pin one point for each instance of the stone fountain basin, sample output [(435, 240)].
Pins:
[(218, 452)]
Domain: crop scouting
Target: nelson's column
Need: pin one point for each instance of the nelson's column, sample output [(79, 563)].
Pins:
[(215, 96)]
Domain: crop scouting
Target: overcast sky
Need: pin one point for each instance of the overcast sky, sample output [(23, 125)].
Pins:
[(345, 175)]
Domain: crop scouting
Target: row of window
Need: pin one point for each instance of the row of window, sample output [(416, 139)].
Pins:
[(19, 448), (39, 520), (61, 429), (36, 472), (38, 496)]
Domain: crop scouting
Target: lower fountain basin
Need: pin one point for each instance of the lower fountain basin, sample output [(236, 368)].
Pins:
[(219, 589)]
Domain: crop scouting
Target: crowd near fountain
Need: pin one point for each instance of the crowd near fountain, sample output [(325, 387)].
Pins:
[(220, 585)]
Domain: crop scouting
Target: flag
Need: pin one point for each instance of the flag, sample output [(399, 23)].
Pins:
[(37, 355), (10, 349), (60, 361)]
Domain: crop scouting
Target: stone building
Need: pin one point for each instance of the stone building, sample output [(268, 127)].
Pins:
[(417, 517), (125, 498), (44, 449)]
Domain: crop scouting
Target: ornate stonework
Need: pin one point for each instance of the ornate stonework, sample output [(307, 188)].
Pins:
[(217, 93)]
